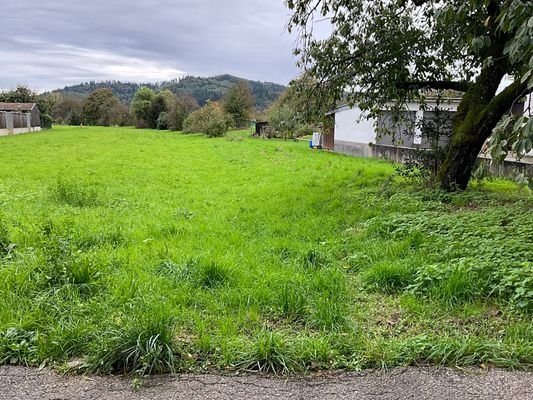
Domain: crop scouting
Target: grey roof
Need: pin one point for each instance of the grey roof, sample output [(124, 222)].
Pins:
[(17, 106)]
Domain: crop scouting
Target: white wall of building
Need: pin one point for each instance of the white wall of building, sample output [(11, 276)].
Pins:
[(350, 127)]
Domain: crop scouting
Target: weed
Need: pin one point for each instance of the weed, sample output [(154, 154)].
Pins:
[(212, 274), (388, 277), (328, 314), (292, 301), (253, 274), (5, 242), (205, 274), (315, 259), (18, 346), (74, 192), (270, 352), (143, 346)]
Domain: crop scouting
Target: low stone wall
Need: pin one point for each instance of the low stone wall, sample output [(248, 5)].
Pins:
[(353, 149), (507, 168), (16, 131)]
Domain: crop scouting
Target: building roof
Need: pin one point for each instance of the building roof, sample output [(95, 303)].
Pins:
[(17, 106)]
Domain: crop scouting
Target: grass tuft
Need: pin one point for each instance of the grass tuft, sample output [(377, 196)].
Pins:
[(74, 192), (143, 346), (270, 352), (387, 277)]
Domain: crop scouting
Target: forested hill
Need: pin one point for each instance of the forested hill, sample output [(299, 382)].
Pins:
[(202, 89)]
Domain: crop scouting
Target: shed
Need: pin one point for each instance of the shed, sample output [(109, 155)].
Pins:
[(18, 118), (261, 128)]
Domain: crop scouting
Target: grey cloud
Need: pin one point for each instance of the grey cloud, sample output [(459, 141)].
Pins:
[(53, 43)]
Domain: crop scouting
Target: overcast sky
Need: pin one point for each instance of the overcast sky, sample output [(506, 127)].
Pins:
[(48, 44)]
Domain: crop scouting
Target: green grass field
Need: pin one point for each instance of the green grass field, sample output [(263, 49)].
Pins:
[(126, 250)]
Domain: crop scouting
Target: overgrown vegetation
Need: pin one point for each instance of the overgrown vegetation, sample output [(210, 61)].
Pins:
[(210, 119), (144, 252)]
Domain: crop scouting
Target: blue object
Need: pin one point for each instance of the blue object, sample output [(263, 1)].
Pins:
[(310, 144)]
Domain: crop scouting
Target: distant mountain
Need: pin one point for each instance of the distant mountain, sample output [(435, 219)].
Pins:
[(203, 89)]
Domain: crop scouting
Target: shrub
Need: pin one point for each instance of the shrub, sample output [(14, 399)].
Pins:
[(210, 119), (162, 121)]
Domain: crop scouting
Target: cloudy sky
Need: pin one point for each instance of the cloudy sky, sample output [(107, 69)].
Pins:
[(48, 44)]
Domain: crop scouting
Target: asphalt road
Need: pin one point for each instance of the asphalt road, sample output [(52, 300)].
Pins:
[(405, 383)]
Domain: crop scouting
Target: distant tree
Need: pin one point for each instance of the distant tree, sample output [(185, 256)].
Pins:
[(238, 103), (182, 106), (296, 112), (141, 108), (160, 106), (102, 108), (23, 94), (210, 119), (67, 110)]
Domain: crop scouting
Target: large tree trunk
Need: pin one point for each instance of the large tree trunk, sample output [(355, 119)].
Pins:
[(462, 155), (477, 115)]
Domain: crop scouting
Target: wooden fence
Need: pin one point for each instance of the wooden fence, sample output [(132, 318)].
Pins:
[(14, 120)]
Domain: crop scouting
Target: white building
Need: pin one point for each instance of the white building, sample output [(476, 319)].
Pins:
[(355, 134)]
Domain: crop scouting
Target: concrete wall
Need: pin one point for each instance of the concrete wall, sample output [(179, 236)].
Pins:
[(507, 168), (16, 131), (352, 148)]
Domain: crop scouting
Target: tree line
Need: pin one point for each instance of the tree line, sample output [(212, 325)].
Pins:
[(203, 89), (165, 110)]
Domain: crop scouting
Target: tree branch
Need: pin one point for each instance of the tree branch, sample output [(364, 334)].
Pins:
[(446, 85), (503, 101)]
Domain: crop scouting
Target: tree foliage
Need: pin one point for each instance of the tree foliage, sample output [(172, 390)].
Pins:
[(296, 112), (102, 108), (394, 50), (210, 119), (238, 103), (141, 108), (201, 88), (67, 110), (182, 106)]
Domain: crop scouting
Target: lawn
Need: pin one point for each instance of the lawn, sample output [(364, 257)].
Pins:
[(142, 251)]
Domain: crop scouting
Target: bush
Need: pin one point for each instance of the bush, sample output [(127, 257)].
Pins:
[(210, 119), (162, 121)]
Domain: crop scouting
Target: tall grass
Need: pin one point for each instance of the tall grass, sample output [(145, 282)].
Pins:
[(136, 251)]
